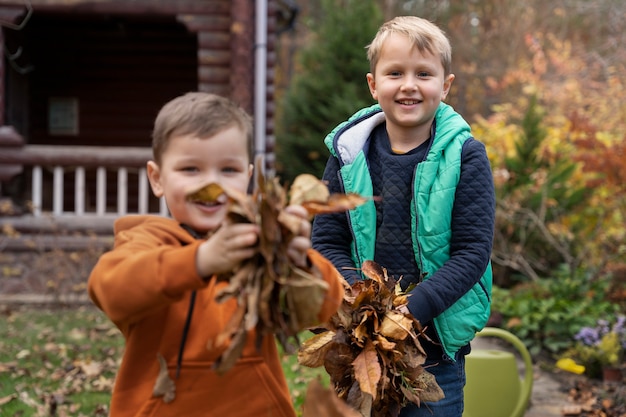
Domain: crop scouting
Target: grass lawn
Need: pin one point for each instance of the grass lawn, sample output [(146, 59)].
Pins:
[(62, 362)]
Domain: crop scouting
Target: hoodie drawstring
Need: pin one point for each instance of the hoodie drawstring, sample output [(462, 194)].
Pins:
[(179, 360), (192, 303)]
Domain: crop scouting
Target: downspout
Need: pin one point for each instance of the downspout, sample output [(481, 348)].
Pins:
[(260, 84)]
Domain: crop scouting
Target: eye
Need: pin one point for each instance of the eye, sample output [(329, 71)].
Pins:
[(231, 170), (189, 168), (395, 73), (423, 74)]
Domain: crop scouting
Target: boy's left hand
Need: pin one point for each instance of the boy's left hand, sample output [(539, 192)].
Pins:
[(298, 246)]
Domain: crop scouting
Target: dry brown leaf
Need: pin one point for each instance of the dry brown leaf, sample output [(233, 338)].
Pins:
[(9, 398), (304, 297), (89, 367), (313, 350), (338, 362), (361, 401), (385, 343), (232, 354), (367, 370), (571, 410), (209, 193), (307, 187), (164, 385), (428, 389), (395, 325), (336, 203)]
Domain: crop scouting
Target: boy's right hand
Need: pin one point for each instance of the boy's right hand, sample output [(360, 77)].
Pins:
[(230, 245)]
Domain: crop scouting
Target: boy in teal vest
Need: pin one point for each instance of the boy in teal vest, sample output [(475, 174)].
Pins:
[(433, 225)]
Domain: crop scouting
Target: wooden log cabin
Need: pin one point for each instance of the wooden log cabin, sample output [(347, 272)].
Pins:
[(80, 84)]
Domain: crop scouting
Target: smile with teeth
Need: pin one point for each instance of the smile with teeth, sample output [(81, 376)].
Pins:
[(409, 102)]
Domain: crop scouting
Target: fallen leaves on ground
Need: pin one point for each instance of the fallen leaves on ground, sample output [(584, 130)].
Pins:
[(371, 349), (595, 398), (57, 366)]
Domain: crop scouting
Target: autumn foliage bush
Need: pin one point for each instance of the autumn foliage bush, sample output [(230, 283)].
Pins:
[(557, 148)]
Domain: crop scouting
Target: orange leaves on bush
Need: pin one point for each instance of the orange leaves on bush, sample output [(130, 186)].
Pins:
[(371, 349)]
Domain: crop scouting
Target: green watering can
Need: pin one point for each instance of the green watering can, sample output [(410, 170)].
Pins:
[(494, 387)]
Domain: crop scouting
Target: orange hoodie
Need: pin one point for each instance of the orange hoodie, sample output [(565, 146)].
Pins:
[(144, 286)]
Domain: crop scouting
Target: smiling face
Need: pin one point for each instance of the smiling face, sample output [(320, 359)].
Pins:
[(409, 85), (189, 163)]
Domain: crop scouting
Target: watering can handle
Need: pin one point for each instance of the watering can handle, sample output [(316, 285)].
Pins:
[(509, 337)]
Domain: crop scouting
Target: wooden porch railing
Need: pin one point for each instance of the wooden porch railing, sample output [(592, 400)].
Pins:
[(84, 185), (76, 162)]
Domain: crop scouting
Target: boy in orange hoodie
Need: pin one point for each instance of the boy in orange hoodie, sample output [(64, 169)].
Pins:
[(158, 284)]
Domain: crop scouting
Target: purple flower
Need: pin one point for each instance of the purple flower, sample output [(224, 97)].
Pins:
[(589, 336)]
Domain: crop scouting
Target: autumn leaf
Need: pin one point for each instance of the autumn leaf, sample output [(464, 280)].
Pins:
[(428, 389), (367, 370), (304, 297), (306, 188), (164, 385), (208, 194), (7, 399), (336, 203), (312, 193), (395, 325), (90, 368), (313, 350)]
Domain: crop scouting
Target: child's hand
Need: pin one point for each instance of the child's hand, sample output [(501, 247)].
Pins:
[(302, 242), (227, 248)]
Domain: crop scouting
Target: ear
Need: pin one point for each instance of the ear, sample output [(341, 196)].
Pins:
[(447, 83), (250, 170), (154, 176), (371, 83)]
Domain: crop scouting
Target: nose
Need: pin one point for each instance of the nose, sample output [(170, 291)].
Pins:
[(209, 177), (409, 83)]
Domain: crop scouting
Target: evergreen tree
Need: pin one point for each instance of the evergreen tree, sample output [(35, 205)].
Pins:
[(538, 197), (329, 87)]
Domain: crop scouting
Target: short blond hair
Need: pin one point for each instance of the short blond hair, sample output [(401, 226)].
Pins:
[(200, 114), (424, 35)]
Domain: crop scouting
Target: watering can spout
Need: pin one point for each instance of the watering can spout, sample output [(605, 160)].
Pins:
[(494, 386)]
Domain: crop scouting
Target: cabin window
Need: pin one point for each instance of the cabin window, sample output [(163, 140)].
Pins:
[(63, 116)]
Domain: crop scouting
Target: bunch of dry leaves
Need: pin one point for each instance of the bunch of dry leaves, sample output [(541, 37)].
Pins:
[(371, 349), (273, 295)]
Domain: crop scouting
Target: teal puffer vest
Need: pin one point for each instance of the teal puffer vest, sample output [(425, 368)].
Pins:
[(431, 209)]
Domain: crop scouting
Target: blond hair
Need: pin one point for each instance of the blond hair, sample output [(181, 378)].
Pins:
[(200, 114), (424, 35)]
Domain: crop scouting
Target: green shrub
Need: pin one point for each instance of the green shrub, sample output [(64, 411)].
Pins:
[(547, 313)]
